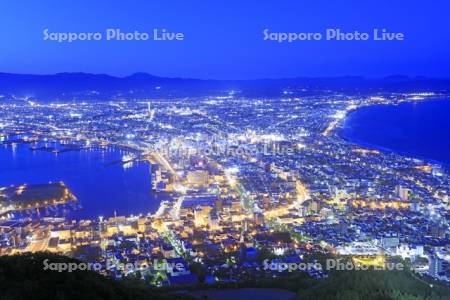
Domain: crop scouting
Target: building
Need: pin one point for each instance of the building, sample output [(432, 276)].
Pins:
[(402, 192), (389, 242), (197, 178), (435, 266), (409, 251), (197, 202)]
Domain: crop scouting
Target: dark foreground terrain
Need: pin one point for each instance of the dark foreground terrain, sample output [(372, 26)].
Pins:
[(23, 277)]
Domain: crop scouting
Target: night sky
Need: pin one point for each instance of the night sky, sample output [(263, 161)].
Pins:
[(224, 39)]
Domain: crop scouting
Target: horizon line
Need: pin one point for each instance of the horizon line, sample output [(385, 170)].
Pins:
[(249, 79)]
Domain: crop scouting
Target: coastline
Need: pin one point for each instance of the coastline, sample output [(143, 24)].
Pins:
[(93, 200), (342, 132)]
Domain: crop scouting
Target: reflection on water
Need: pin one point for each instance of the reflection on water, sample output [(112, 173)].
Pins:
[(99, 178)]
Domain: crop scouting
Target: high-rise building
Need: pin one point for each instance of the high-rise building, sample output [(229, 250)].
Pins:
[(258, 218), (156, 176), (403, 192), (435, 266)]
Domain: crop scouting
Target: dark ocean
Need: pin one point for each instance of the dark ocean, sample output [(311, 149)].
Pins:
[(419, 129)]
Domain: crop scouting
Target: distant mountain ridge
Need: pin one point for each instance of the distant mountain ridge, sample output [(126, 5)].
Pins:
[(85, 86)]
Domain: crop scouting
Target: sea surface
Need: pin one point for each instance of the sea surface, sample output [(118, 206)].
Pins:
[(100, 182), (419, 129)]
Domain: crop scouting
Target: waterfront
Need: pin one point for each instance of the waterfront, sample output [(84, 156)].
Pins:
[(326, 196), (101, 183), (415, 129)]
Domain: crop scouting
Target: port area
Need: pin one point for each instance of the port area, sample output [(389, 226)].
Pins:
[(27, 197)]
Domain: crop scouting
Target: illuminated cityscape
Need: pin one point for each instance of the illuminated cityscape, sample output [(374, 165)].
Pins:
[(241, 177), (216, 150)]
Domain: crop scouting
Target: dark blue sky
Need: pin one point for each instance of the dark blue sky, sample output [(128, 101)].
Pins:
[(223, 39)]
